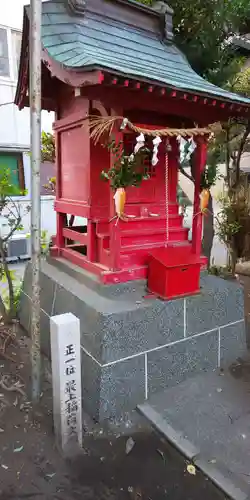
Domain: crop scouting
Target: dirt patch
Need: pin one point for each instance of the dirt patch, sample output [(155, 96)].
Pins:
[(241, 369), (32, 468)]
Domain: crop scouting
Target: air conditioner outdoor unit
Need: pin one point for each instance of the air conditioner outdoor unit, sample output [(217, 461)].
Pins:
[(18, 248)]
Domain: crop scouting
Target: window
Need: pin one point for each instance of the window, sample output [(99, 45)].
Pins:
[(10, 50), (16, 45), (14, 163), (4, 54)]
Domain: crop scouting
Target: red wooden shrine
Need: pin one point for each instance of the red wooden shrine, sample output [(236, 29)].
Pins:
[(152, 243), (119, 252)]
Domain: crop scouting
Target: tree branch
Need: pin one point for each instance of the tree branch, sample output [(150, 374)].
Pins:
[(18, 221), (3, 311), (13, 229), (240, 151), (6, 103), (227, 155), (9, 280), (183, 171)]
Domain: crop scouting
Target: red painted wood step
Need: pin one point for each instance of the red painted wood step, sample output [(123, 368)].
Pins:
[(152, 208), (105, 275), (139, 258), (149, 237), (146, 236), (138, 223), (139, 254)]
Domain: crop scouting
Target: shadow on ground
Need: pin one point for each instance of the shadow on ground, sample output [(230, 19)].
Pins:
[(153, 470)]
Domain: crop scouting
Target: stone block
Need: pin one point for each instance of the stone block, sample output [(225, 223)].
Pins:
[(27, 285), (91, 321), (91, 385), (122, 387), (151, 325), (232, 343), (220, 303), (109, 391), (171, 365), (25, 312), (47, 299), (25, 301), (175, 437), (45, 333), (115, 325), (244, 277)]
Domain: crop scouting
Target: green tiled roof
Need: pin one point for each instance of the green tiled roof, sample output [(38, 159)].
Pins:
[(92, 41)]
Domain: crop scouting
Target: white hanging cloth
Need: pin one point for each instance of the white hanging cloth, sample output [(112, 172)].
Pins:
[(140, 142), (191, 148), (156, 143), (124, 123), (182, 144), (186, 148)]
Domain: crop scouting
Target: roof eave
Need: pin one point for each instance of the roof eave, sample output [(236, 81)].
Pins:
[(74, 77), (21, 89), (157, 83)]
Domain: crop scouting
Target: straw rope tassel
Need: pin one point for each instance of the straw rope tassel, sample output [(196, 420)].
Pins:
[(105, 124), (167, 193)]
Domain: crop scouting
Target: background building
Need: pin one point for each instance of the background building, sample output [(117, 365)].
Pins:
[(14, 124)]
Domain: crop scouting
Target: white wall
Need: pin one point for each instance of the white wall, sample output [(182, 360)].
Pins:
[(48, 216), (14, 124), (12, 13)]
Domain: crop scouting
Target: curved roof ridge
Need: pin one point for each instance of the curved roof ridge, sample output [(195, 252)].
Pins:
[(96, 41)]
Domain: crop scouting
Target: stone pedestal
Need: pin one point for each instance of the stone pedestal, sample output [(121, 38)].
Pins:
[(133, 345)]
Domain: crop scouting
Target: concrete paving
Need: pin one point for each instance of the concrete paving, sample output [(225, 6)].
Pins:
[(208, 419)]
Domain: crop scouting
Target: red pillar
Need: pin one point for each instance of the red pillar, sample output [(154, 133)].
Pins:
[(173, 162), (59, 240), (91, 246), (59, 232), (200, 157), (115, 245), (114, 226)]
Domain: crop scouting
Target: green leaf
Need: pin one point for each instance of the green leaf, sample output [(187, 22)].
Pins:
[(47, 147)]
